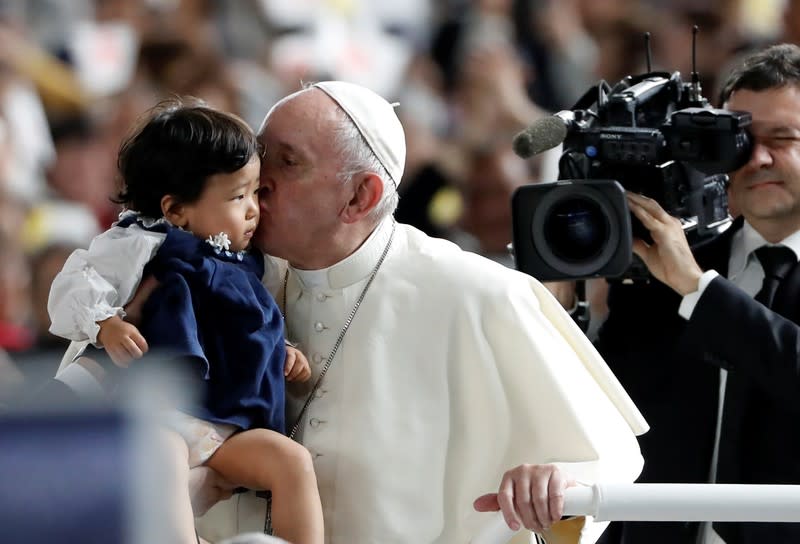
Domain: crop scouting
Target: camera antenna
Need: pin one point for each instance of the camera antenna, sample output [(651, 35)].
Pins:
[(695, 89), (648, 53)]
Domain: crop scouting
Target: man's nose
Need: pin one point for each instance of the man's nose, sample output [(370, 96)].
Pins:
[(761, 156)]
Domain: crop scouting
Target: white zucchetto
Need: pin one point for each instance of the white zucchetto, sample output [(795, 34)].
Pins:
[(376, 121)]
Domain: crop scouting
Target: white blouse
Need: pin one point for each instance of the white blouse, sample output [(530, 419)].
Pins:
[(95, 284)]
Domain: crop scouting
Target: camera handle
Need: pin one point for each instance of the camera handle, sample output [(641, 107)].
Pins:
[(580, 312)]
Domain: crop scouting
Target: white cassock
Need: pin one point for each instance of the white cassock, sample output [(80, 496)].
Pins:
[(454, 370)]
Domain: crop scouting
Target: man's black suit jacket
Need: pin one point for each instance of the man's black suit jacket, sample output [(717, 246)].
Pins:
[(670, 367)]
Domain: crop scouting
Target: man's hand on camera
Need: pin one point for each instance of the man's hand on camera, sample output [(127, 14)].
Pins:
[(669, 257)]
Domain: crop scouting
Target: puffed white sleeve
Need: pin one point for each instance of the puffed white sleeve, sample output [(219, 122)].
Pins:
[(95, 284)]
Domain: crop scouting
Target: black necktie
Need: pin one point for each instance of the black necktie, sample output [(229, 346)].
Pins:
[(776, 261)]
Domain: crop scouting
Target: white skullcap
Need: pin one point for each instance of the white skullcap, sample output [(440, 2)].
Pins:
[(376, 121)]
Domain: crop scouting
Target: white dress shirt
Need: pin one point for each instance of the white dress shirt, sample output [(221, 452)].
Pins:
[(96, 283), (746, 272)]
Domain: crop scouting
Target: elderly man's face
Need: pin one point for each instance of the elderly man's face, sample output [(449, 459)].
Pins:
[(301, 198)]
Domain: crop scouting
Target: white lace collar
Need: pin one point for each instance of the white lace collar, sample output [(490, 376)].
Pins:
[(221, 243)]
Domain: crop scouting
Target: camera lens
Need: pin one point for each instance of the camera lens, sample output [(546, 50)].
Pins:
[(576, 229), (572, 228)]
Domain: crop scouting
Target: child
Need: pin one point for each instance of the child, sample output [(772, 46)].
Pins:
[(191, 180)]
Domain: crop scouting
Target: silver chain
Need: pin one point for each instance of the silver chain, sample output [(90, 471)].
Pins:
[(341, 334)]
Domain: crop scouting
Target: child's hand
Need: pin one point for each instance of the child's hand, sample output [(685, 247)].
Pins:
[(296, 368), (123, 341)]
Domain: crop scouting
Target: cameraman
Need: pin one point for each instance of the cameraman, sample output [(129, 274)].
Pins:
[(714, 371)]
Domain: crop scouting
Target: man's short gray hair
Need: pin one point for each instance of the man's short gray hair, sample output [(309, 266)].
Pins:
[(358, 157)]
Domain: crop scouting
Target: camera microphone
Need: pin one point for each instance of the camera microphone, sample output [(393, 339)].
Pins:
[(543, 134)]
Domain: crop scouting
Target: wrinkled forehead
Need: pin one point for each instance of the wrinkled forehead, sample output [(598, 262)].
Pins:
[(307, 107), (304, 124), (768, 103), (775, 112)]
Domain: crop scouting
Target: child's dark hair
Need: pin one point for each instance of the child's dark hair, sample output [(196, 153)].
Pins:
[(175, 149)]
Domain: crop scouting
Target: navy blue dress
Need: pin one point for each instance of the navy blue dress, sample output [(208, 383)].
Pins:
[(212, 313)]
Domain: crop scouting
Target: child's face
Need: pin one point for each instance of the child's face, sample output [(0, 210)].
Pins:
[(229, 204)]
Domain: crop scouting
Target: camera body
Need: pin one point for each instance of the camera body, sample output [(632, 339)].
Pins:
[(651, 134)]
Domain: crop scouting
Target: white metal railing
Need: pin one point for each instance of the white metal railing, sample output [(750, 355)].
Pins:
[(668, 502)]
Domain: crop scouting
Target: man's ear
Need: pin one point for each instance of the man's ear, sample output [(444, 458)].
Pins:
[(368, 192), (174, 211)]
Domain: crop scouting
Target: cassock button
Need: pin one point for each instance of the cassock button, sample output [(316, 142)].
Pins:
[(319, 326), (314, 422), (319, 392), (317, 358), (321, 297)]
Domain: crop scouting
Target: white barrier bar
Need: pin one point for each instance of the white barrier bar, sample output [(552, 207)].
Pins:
[(668, 502), (684, 502)]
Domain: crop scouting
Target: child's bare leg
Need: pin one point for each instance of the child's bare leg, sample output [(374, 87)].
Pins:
[(263, 459), (180, 518), (206, 488)]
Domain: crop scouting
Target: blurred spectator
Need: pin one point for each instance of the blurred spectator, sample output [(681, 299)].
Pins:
[(175, 66), (369, 42), (431, 161), (84, 169), (491, 100), (15, 306), (34, 242), (719, 37), (555, 40), (619, 37), (791, 22), (492, 176), (39, 361), (26, 148), (13, 211), (45, 264), (50, 233), (11, 381)]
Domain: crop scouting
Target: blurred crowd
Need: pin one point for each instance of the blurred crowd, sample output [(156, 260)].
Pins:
[(468, 75)]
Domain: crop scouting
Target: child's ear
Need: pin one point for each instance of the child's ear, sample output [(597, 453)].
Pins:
[(174, 211)]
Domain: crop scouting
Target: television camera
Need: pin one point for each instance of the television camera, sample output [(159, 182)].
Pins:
[(652, 134)]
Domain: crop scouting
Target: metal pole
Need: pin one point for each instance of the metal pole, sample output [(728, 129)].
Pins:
[(668, 502)]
